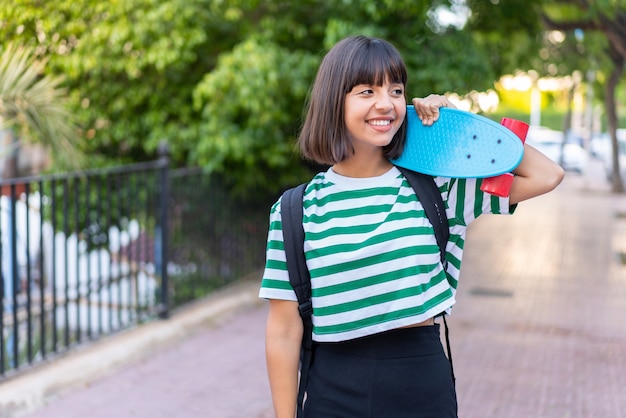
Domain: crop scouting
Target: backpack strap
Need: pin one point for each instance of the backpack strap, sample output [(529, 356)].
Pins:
[(299, 277), (429, 195)]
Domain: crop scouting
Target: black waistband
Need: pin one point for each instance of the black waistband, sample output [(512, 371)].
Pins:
[(401, 342)]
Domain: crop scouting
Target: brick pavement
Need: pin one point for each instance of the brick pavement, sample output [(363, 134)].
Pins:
[(219, 371), (538, 329), (537, 332)]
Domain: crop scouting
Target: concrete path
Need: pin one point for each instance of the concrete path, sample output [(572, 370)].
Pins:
[(538, 331)]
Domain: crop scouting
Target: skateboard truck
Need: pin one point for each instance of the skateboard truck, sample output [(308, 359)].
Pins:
[(501, 185)]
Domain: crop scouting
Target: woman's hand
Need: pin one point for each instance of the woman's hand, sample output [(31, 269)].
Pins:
[(427, 109)]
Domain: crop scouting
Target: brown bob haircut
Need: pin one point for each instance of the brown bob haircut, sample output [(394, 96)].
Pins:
[(352, 61)]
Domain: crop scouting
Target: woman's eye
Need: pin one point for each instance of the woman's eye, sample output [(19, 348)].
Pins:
[(398, 92)]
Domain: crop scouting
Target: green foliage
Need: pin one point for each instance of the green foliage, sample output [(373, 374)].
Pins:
[(551, 38), (223, 82), (550, 117), (510, 31), (246, 128), (437, 67)]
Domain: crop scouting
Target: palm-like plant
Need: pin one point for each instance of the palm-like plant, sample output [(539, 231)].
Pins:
[(33, 107)]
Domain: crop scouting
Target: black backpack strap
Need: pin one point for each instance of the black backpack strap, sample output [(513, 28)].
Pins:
[(429, 195), (299, 277)]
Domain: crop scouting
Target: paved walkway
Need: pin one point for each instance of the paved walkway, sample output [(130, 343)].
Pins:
[(538, 331)]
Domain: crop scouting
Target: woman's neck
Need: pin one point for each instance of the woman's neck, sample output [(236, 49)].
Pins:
[(363, 167)]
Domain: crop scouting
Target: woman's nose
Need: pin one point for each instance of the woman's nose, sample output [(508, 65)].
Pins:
[(384, 102)]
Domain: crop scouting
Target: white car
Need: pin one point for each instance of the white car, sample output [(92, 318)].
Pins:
[(607, 156), (570, 155), (546, 140), (600, 146), (575, 158)]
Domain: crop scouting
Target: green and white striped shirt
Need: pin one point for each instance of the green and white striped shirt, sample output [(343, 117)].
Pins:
[(372, 253)]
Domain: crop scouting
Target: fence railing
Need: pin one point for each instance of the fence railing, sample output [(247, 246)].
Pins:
[(88, 254)]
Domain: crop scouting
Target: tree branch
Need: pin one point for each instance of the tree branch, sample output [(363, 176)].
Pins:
[(570, 25)]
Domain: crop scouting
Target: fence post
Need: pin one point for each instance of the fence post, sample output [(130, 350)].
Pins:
[(161, 251)]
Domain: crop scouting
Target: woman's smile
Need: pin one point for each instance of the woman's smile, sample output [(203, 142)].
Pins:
[(381, 124)]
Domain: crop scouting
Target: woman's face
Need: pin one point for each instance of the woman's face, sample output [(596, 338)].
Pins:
[(373, 114)]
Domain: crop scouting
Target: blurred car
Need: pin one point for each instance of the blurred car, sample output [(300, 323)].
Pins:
[(600, 146), (607, 154), (569, 154), (575, 158), (546, 140)]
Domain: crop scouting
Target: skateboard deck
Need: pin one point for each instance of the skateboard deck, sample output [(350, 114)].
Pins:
[(460, 144)]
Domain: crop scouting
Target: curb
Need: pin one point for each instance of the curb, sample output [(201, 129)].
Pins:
[(32, 389)]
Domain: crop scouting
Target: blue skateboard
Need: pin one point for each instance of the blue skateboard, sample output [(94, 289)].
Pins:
[(460, 144)]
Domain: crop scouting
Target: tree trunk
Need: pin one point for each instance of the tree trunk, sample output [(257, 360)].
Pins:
[(611, 113), (567, 120)]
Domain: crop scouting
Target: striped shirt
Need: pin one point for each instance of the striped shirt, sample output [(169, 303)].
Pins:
[(372, 253)]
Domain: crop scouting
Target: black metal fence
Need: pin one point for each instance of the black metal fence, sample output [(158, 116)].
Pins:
[(88, 254)]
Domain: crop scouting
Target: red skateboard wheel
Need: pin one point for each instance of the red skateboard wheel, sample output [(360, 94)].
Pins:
[(518, 127), (501, 185)]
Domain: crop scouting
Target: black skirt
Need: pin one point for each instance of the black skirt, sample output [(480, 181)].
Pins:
[(402, 373)]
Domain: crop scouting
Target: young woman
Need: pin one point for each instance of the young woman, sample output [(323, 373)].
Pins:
[(377, 280)]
